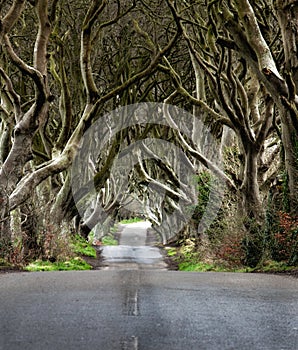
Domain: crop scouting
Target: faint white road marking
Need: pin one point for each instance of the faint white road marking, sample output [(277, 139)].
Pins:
[(131, 344), (132, 302)]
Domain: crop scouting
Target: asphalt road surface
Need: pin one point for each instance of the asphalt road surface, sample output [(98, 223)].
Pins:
[(132, 251), (130, 308)]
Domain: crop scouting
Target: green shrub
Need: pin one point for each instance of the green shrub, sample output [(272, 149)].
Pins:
[(284, 241), (72, 264), (203, 187), (82, 247), (131, 220), (109, 240)]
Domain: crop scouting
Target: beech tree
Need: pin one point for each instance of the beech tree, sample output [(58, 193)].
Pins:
[(69, 87), (65, 64), (50, 92), (244, 58)]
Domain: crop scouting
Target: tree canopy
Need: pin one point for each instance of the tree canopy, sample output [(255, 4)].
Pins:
[(65, 66)]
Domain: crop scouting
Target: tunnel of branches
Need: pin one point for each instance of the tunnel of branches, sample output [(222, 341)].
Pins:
[(179, 112)]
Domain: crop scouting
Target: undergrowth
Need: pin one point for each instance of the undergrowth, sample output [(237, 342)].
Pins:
[(76, 263), (109, 240), (189, 259), (131, 220), (82, 247), (71, 260)]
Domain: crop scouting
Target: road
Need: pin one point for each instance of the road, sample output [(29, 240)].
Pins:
[(130, 308), (132, 251)]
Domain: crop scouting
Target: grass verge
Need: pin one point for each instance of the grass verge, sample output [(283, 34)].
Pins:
[(131, 221), (79, 248), (109, 240), (191, 262), (76, 263), (82, 247)]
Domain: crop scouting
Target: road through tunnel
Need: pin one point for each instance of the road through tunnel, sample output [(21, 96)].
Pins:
[(133, 251)]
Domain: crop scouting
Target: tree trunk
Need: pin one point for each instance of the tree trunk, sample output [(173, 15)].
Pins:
[(5, 230), (290, 145), (250, 190), (287, 11), (31, 249), (252, 211)]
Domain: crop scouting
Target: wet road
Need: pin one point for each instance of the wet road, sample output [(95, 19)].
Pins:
[(149, 310), (132, 251), (131, 308)]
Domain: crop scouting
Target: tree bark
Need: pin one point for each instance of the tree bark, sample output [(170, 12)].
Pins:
[(250, 190), (290, 146), (287, 11)]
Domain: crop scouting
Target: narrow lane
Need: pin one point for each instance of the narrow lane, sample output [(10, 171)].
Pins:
[(148, 310), (132, 251), (136, 304)]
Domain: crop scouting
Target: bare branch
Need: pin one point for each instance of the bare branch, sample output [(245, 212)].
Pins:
[(11, 17), (196, 154), (15, 97), (33, 73), (85, 57)]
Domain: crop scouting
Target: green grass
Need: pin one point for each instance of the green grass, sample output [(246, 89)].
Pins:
[(189, 260), (114, 229), (109, 240), (200, 267), (267, 267), (82, 247), (79, 246), (274, 266), (131, 221), (171, 252), (4, 263), (72, 264)]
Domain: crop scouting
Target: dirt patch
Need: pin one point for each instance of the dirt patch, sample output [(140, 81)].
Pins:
[(95, 263), (154, 240), (9, 269), (292, 273), (172, 265)]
